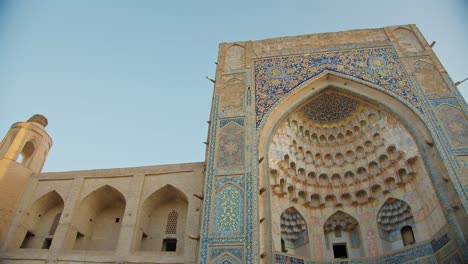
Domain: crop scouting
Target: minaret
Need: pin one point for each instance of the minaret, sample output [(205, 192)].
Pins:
[(23, 152)]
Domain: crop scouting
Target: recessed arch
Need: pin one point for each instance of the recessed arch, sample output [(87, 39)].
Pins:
[(373, 144), (393, 216), (294, 234), (454, 123), (97, 222), (162, 221), (105, 186), (342, 229), (41, 221), (407, 40), (26, 153)]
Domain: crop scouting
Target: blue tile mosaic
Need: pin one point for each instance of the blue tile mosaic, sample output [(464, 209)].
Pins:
[(439, 243), (228, 211), (235, 251), (276, 77), (239, 121)]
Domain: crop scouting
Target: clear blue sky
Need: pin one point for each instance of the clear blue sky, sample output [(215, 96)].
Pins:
[(122, 83)]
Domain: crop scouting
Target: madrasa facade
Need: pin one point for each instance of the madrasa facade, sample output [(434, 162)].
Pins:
[(347, 147)]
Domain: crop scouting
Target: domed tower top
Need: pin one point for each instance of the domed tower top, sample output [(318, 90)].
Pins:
[(40, 119), (27, 143)]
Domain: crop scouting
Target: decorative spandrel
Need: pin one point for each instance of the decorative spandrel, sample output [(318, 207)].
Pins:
[(276, 77)]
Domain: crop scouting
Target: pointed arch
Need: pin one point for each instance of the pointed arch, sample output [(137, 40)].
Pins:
[(26, 153), (362, 89), (97, 222), (393, 216), (429, 78), (41, 221), (454, 123), (377, 98), (407, 40), (104, 186), (162, 221), (233, 81), (294, 233), (234, 58), (343, 234)]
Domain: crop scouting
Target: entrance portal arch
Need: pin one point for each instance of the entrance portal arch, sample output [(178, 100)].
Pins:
[(338, 144)]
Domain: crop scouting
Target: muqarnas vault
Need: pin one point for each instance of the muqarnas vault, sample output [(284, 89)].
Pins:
[(346, 147)]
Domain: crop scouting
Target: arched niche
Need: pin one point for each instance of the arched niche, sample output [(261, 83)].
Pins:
[(366, 165), (454, 123), (429, 78), (162, 221), (294, 233), (396, 224), (26, 153), (407, 40), (234, 58), (97, 222), (342, 236), (41, 221)]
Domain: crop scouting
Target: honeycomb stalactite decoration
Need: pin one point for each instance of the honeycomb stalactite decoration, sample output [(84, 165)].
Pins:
[(358, 156), (330, 108), (293, 228), (340, 221), (392, 217), (343, 222)]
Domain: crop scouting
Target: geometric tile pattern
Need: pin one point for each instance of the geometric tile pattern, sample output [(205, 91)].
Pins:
[(330, 108), (276, 77), (228, 211), (236, 251), (280, 259), (231, 146), (226, 260), (237, 180)]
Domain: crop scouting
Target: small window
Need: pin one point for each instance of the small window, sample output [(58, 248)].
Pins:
[(117, 220), (407, 236), (339, 251), (169, 244), (26, 153), (27, 239), (283, 246), (47, 243)]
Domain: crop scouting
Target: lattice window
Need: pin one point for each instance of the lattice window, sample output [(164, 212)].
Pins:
[(171, 227)]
